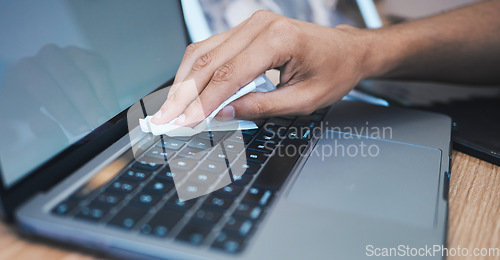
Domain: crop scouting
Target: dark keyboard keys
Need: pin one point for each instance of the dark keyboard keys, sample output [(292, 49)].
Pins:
[(216, 136), (207, 216), (190, 190), (168, 175), (65, 207), (158, 186), (146, 164), (128, 217), (213, 167), (240, 138), (182, 164), (94, 211), (192, 153), (248, 210), (228, 242), (268, 137), (143, 199), (263, 147), (203, 178), (172, 144), (220, 155), (122, 187), (160, 153), (109, 198), (256, 156), (193, 234), (230, 191), (200, 143), (239, 226), (175, 203), (258, 196), (252, 132), (218, 202), (135, 175), (242, 179), (233, 147), (241, 167), (161, 223)]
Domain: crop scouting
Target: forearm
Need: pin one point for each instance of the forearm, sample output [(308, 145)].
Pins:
[(462, 46)]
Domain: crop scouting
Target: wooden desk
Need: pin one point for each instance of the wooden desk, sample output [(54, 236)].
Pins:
[(474, 216)]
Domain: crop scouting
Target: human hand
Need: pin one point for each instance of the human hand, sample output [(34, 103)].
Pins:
[(318, 65)]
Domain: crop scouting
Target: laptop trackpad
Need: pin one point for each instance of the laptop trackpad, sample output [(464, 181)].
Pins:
[(371, 177)]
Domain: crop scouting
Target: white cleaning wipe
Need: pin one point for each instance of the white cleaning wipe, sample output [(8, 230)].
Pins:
[(260, 84)]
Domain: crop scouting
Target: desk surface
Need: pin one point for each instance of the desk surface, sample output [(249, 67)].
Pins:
[(474, 216)]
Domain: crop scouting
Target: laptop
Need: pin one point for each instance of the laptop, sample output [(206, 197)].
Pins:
[(350, 181)]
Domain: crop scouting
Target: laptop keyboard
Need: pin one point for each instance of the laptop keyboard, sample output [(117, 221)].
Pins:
[(142, 196)]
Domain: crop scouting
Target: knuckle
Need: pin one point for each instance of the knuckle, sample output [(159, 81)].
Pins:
[(281, 26), (192, 49), (203, 62), (260, 109), (260, 15), (223, 73)]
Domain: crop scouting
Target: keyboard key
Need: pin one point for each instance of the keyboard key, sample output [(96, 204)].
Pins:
[(121, 187), (216, 136), (252, 132), (190, 190), (248, 210), (203, 178), (109, 198), (169, 143), (146, 164), (263, 147), (268, 137), (181, 138), (240, 138), (135, 175), (258, 196), (158, 186), (207, 216), (242, 179), (160, 153), (239, 226), (280, 165), (175, 203), (256, 156), (221, 156), (65, 207), (168, 175), (241, 167), (162, 222), (213, 167), (218, 202), (230, 191), (182, 164), (199, 143), (192, 153), (233, 147), (143, 199), (128, 216), (94, 211), (193, 234), (228, 242)]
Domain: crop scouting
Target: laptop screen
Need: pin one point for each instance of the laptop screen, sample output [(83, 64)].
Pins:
[(67, 67)]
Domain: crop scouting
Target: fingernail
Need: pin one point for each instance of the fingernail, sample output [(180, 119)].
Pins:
[(157, 115), (226, 114)]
